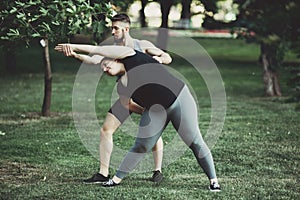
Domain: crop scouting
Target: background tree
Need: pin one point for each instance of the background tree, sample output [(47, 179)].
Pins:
[(210, 5), (142, 13), (121, 6), (163, 34), (294, 81), (48, 20), (185, 16), (274, 24)]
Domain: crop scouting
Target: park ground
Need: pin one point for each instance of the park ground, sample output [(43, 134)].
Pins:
[(256, 156)]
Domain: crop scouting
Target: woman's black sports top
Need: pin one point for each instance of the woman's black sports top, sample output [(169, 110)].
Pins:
[(149, 82)]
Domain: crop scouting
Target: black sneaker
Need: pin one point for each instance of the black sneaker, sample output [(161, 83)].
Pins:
[(110, 183), (157, 176), (215, 187), (96, 178)]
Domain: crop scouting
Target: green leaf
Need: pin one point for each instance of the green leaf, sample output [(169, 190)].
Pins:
[(74, 8), (35, 2), (77, 24), (5, 38), (56, 23), (36, 35), (20, 3), (69, 10), (46, 27), (43, 11), (13, 10), (21, 16), (13, 32), (34, 18)]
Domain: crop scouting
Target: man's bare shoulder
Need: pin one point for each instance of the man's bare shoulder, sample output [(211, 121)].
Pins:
[(145, 44)]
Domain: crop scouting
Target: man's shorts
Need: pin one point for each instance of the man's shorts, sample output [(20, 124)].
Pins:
[(119, 111)]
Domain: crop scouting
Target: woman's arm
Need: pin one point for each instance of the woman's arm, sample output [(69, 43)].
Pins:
[(110, 51), (68, 51), (131, 105)]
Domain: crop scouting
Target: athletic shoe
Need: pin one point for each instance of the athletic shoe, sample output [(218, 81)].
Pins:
[(157, 176), (96, 178), (215, 187), (110, 183)]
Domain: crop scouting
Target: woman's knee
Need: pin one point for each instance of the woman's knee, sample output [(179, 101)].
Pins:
[(200, 148), (140, 148)]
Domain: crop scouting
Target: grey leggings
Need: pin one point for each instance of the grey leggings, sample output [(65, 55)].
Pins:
[(184, 117)]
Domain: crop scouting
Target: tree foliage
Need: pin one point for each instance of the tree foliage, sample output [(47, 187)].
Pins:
[(23, 20), (122, 6), (274, 24), (50, 20)]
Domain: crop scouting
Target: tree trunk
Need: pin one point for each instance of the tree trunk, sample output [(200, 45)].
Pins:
[(185, 17), (142, 13), (48, 80), (165, 6), (163, 33), (162, 38), (270, 77)]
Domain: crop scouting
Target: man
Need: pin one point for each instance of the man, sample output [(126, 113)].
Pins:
[(116, 115)]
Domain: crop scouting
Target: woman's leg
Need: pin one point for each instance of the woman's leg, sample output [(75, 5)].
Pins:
[(115, 117), (151, 127), (184, 117)]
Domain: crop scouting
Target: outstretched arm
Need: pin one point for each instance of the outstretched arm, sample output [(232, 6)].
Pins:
[(68, 51), (110, 51), (157, 53), (94, 60)]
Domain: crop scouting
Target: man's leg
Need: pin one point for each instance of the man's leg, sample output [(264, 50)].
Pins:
[(157, 151), (114, 118), (110, 125)]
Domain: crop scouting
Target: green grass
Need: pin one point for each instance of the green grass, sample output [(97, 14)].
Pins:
[(256, 156)]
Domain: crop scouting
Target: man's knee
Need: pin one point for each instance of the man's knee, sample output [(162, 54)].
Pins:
[(107, 130), (110, 124), (159, 145)]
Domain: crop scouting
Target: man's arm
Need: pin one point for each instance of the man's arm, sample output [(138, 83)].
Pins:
[(110, 51), (93, 60), (157, 53)]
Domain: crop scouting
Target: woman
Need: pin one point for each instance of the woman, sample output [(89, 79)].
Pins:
[(160, 98)]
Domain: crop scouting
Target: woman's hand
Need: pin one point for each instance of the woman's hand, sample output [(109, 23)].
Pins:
[(66, 49), (158, 58)]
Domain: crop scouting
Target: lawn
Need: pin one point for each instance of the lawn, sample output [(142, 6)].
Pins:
[(256, 156)]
